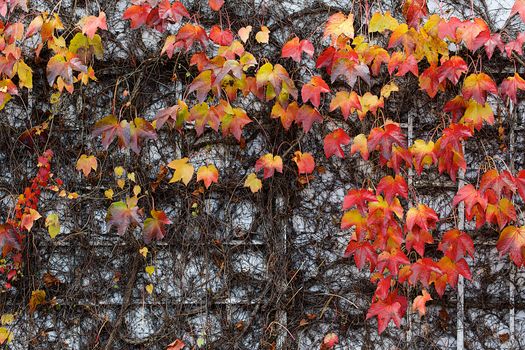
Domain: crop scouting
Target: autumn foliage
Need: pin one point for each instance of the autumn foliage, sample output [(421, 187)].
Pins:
[(389, 228)]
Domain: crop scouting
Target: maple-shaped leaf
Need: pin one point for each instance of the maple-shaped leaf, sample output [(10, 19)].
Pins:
[(295, 47), (452, 69), (347, 101), (392, 186), (414, 11), (254, 183), (381, 22), (233, 120), (109, 127), (423, 271), (351, 70), (270, 164), (188, 35), (275, 79), (429, 81), (286, 115), (392, 308), (423, 153), (512, 241), (518, 7), (208, 174), (476, 86), (140, 129), (359, 198), (375, 56), (215, 5), (360, 144), (174, 12), (90, 24), (339, 24), (176, 345), (456, 244), (456, 107), (155, 226), (471, 197), (63, 67), (383, 138), (202, 84), (138, 14), (509, 87), (86, 164), (122, 215), (500, 213), (473, 33), (493, 43), (8, 238), (313, 89), (399, 156), (202, 116), (221, 37), (391, 261), (183, 170), (450, 271), (403, 63), (423, 217), (363, 252), (416, 239), (333, 142), (519, 181), (174, 116), (306, 116), (476, 113), (500, 183), (420, 302), (447, 29), (305, 162)]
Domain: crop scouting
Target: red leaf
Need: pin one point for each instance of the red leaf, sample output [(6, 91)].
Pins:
[(306, 116), (221, 37), (519, 181), (383, 138), (138, 14), (474, 34), (509, 86), (313, 89), (493, 43), (109, 127), (363, 252), (351, 70), (455, 244), (215, 5), (423, 217), (512, 241), (391, 260), (359, 198), (471, 197), (333, 142), (154, 227), (188, 35), (403, 63), (500, 184), (140, 129), (329, 341), (294, 48), (414, 11), (392, 308), (392, 186), (90, 24), (305, 162), (8, 238), (452, 69), (430, 82)]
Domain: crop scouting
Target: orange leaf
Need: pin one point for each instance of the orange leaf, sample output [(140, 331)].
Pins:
[(313, 89), (294, 48), (512, 241), (420, 301), (269, 163), (305, 162), (347, 101), (208, 174), (90, 24), (215, 5), (86, 164), (476, 86)]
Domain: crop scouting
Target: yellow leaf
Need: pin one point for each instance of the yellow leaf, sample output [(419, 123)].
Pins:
[(72, 195), (263, 36), (6, 336), (149, 288), (208, 174), (38, 297), (119, 171), (388, 89), (131, 177), (253, 183), (55, 98), (136, 190), (109, 193), (183, 170), (25, 75), (380, 23), (53, 225), (150, 269), (144, 251), (7, 319), (121, 183)]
